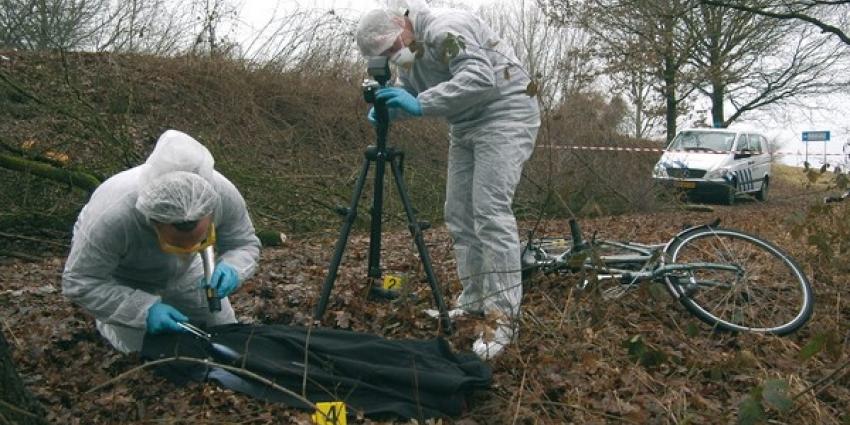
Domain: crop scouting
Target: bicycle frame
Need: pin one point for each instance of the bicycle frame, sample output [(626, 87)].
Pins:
[(652, 266), (700, 267)]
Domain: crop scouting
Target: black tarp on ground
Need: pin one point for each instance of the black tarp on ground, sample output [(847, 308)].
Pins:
[(376, 376)]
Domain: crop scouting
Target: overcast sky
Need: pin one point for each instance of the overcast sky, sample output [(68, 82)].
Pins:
[(827, 113)]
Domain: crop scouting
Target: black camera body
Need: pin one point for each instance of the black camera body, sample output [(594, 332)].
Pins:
[(378, 68), (370, 89)]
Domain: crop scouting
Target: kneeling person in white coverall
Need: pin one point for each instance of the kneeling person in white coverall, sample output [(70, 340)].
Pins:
[(133, 263), (481, 92)]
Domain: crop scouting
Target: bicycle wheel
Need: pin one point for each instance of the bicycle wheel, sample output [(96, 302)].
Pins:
[(767, 293)]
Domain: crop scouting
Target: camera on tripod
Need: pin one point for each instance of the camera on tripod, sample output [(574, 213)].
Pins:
[(382, 156), (378, 68)]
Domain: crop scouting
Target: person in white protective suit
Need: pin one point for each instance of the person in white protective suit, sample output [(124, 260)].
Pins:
[(133, 263), (481, 92)]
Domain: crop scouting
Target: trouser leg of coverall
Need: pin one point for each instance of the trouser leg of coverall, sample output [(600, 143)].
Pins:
[(484, 170), (459, 220)]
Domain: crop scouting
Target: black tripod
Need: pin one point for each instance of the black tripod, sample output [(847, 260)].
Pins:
[(380, 154)]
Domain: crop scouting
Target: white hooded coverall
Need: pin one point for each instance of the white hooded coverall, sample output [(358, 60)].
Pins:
[(493, 127), (116, 270)]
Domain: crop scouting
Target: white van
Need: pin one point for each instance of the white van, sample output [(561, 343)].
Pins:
[(716, 161)]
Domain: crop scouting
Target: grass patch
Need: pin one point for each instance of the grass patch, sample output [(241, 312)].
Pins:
[(811, 179)]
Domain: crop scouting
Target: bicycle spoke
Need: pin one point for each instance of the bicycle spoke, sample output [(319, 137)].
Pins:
[(768, 293)]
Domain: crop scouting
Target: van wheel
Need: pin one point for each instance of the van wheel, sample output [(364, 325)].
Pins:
[(761, 195), (728, 198)]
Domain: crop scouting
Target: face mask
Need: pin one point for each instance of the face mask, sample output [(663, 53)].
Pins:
[(403, 58)]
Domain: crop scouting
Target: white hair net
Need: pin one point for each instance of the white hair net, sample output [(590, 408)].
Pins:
[(174, 184), (177, 197), (377, 32), (379, 28)]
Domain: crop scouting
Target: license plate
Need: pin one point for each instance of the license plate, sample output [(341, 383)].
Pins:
[(686, 185)]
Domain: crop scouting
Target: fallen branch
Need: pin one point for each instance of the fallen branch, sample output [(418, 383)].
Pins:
[(829, 379), (618, 418), (32, 239), (20, 411), (519, 393), (20, 255), (237, 370), (76, 179), (12, 333)]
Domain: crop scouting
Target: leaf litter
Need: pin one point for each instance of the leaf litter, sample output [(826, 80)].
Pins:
[(639, 359)]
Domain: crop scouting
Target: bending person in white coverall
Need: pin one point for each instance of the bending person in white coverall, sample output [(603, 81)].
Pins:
[(134, 264), (481, 91)]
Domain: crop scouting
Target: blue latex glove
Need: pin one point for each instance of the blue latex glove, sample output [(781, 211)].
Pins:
[(224, 279), (400, 98), (374, 120), (164, 318)]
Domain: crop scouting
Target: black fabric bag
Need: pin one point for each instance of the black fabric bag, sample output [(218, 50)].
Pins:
[(379, 377)]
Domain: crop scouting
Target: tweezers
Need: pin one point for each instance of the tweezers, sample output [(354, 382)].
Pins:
[(195, 330)]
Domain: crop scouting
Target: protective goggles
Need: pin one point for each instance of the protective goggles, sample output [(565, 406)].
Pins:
[(200, 246)]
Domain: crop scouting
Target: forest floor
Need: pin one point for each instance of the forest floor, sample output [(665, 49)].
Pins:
[(574, 360)]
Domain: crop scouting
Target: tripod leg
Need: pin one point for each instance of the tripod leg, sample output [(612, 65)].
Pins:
[(350, 216), (374, 270), (420, 245)]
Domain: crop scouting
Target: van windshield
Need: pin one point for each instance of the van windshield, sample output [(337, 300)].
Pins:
[(701, 140)]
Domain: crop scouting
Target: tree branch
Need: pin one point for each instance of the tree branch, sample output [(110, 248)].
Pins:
[(789, 15), (21, 411), (76, 179), (237, 370), (826, 378)]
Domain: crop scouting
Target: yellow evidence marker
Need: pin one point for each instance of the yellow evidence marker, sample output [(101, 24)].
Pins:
[(330, 413), (394, 282)]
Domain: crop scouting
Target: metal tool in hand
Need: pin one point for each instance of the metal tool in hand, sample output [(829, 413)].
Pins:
[(208, 258), (194, 330), (223, 351)]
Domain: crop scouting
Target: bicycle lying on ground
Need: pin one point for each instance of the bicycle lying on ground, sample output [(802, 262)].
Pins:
[(729, 279)]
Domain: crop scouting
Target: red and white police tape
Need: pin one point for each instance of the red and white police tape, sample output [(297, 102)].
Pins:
[(659, 150)]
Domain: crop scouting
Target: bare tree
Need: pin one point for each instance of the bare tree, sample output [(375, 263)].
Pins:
[(160, 27), (212, 14), (559, 57), (635, 83), (14, 18), (50, 24), (752, 62), (309, 40), (163, 27), (814, 12), (131, 26), (633, 35)]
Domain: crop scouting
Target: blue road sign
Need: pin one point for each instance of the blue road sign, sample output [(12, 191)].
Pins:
[(815, 136)]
